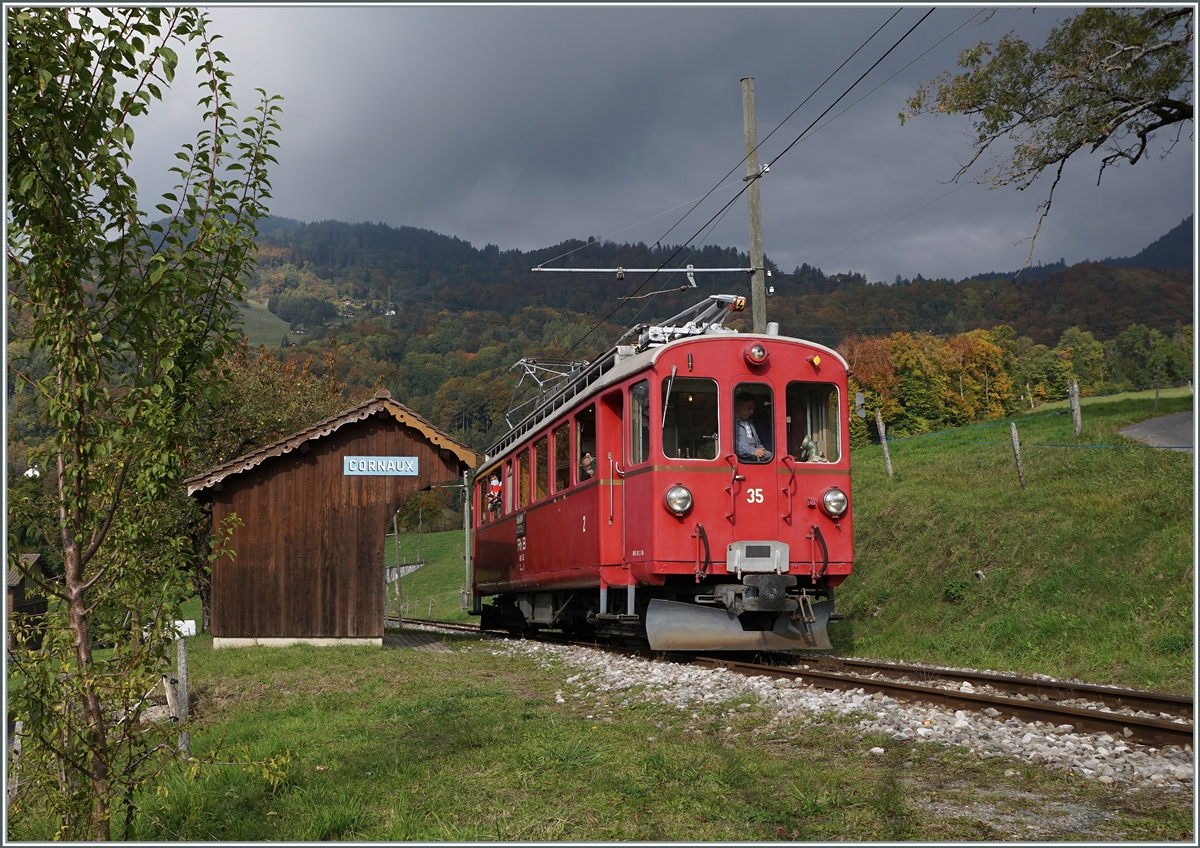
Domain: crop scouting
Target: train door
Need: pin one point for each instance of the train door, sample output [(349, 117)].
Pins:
[(754, 499), (638, 479)]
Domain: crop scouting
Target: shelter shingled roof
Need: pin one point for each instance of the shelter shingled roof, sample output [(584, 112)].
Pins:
[(14, 573), (382, 402)]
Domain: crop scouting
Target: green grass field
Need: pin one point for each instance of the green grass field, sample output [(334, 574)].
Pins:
[(401, 745), (1086, 574), (261, 327)]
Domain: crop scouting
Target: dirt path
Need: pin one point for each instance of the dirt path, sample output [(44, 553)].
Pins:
[(1174, 431)]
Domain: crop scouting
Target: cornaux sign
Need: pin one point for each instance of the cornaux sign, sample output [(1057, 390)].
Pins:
[(380, 466)]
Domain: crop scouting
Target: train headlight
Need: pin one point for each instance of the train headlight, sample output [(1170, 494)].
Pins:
[(679, 500), (756, 353), (834, 502)]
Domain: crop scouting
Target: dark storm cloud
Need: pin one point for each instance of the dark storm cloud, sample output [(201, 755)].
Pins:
[(526, 126)]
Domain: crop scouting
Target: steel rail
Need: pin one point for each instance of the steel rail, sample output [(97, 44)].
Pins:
[(1149, 731), (1047, 690)]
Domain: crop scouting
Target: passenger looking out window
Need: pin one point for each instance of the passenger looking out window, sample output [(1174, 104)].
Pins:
[(494, 492), (585, 442)]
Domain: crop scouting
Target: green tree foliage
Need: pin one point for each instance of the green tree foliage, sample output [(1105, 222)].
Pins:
[(922, 382), (116, 323), (1106, 78)]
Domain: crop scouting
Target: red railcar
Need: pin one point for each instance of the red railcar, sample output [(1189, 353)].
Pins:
[(691, 490)]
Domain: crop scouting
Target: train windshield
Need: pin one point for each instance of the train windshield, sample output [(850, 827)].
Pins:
[(753, 414), (689, 418), (812, 422)]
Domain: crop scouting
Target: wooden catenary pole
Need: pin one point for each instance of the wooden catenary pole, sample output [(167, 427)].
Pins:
[(887, 457), (1017, 453), (758, 282)]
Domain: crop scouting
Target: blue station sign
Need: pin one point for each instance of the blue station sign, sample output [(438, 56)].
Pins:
[(379, 466)]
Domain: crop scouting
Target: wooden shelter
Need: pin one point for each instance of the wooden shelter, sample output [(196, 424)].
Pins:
[(25, 598), (307, 563)]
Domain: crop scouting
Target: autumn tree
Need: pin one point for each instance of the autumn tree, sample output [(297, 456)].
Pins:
[(126, 319), (1106, 79)]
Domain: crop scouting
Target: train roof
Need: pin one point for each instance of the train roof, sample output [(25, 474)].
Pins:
[(612, 367)]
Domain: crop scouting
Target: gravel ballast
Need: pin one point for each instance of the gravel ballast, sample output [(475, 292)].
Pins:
[(1100, 757)]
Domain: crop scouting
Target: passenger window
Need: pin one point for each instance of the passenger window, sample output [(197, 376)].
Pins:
[(639, 422), (812, 422), (541, 466), (753, 439), (523, 475), (585, 443), (689, 418), (562, 456), (493, 496)]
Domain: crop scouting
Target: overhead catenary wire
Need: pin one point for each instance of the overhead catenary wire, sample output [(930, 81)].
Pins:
[(720, 183), (721, 211)]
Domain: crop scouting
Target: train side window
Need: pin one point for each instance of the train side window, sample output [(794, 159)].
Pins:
[(639, 422), (492, 496), (585, 443), (812, 422), (523, 476), (753, 433), (541, 467), (508, 489), (689, 418), (562, 456)]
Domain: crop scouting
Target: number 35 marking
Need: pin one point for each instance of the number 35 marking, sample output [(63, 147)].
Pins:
[(754, 496)]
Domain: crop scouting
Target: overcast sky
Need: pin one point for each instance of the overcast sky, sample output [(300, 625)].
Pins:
[(523, 127)]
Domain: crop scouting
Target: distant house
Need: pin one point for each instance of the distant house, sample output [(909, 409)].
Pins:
[(314, 507), (24, 596)]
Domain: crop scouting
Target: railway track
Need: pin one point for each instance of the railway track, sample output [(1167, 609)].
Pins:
[(1151, 718)]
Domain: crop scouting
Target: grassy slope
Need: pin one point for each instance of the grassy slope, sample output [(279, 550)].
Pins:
[(262, 327), (1088, 573), (440, 579)]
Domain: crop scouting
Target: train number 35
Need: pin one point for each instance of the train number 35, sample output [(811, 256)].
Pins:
[(754, 496)]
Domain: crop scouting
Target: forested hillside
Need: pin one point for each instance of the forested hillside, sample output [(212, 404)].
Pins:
[(440, 323)]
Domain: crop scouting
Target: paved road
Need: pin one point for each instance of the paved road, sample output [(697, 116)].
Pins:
[(1166, 431)]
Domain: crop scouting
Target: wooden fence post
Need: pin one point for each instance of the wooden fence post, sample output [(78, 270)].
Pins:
[(1017, 453), (181, 694), (887, 457), (1076, 412), (1157, 375)]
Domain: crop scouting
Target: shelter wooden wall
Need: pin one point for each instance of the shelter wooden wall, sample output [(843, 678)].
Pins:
[(309, 558)]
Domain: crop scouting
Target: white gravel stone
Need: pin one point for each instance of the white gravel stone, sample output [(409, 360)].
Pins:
[(759, 705)]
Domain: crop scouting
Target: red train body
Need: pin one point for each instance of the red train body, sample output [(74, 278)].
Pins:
[(637, 503)]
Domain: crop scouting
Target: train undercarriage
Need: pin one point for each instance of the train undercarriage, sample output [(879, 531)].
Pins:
[(768, 612)]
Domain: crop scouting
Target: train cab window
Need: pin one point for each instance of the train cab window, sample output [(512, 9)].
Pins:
[(812, 422), (689, 418), (753, 433), (639, 422), (541, 467), (585, 443), (562, 456), (523, 476), (508, 488)]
